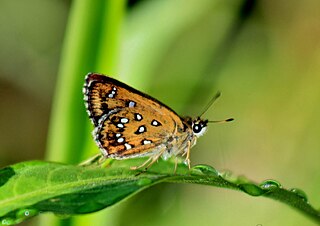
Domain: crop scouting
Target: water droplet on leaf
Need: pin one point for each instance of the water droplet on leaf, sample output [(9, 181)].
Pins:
[(7, 221), (26, 213), (144, 181), (251, 189), (204, 169), (300, 193), (270, 184)]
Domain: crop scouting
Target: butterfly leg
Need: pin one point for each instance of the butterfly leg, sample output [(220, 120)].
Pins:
[(97, 159), (153, 159), (142, 165), (175, 165), (187, 160)]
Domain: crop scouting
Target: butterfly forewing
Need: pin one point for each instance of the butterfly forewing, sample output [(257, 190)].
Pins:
[(127, 122), (123, 135)]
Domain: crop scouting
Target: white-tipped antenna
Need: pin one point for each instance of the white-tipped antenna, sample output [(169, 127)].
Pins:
[(218, 94)]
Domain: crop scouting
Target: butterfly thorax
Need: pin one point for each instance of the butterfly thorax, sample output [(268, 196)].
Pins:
[(185, 137)]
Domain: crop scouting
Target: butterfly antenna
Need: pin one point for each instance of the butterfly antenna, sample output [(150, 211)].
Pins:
[(222, 121), (218, 94)]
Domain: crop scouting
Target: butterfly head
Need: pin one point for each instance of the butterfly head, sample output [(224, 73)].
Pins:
[(198, 125)]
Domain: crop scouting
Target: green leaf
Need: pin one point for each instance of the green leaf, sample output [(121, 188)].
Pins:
[(29, 188)]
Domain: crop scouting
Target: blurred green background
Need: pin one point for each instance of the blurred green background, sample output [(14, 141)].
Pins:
[(263, 55)]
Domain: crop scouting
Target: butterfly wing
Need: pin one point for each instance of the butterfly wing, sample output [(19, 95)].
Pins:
[(127, 122)]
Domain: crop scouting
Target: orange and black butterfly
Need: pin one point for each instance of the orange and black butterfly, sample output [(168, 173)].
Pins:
[(130, 124)]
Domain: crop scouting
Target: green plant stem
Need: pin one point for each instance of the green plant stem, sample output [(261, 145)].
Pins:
[(67, 129), (90, 33)]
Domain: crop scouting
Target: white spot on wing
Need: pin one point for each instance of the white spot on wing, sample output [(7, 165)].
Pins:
[(128, 146), (124, 120), (141, 129), (118, 135), (120, 140), (132, 104), (138, 117), (120, 125), (110, 95), (154, 123), (146, 141), (90, 82)]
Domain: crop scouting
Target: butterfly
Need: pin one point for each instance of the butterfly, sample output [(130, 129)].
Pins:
[(131, 124)]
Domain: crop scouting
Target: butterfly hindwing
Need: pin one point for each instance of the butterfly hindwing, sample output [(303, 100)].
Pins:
[(127, 122), (121, 135)]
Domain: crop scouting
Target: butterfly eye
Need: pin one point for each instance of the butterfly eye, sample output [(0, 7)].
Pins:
[(197, 128)]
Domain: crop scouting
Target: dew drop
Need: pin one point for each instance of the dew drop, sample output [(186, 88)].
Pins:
[(144, 181), (26, 213), (300, 193), (270, 184), (229, 176), (204, 170), (20, 216), (252, 189), (226, 174), (7, 221)]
